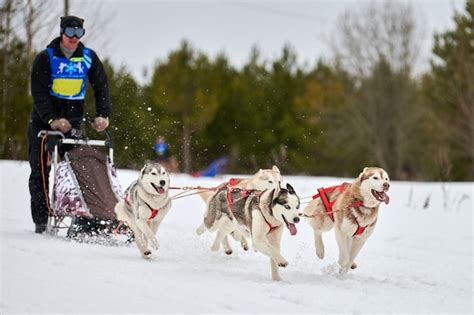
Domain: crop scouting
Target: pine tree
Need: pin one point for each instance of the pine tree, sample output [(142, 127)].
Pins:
[(450, 89)]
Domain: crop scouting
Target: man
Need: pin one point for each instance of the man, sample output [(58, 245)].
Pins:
[(163, 155), (58, 86)]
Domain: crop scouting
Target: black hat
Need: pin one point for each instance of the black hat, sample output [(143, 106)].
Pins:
[(71, 21)]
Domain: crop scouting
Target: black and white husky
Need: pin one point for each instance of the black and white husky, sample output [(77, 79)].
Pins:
[(259, 215), (145, 205)]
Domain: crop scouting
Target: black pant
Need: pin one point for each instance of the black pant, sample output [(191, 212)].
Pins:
[(39, 175)]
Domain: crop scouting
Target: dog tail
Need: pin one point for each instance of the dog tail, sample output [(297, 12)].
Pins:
[(211, 211), (311, 208), (205, 195), (210, 218), (201, 229)]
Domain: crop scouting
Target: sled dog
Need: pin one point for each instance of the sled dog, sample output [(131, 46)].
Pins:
[(353, 213), (145, 205), (259, 215), (263, 179)]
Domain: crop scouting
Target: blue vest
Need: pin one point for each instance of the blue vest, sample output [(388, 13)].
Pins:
[(69, 76)]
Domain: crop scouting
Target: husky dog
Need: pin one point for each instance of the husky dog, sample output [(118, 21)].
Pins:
[(145, 205), (354, 213), (259, 215), (263, 179)]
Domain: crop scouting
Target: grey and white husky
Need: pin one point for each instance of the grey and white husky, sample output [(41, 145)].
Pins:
[(259, 215), (145, 205), (263, 179)]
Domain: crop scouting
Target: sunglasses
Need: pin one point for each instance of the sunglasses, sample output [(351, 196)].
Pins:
[(74, 31)]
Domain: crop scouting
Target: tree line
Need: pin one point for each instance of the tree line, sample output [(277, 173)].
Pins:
[(364, 107)]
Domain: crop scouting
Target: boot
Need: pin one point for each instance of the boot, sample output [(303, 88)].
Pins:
[(40, 228)]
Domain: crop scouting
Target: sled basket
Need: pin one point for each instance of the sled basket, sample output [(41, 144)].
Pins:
[(86, 185)]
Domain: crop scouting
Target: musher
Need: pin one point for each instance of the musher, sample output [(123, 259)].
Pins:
[(58, 87)]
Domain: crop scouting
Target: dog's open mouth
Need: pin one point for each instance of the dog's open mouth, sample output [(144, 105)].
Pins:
[(290, 226), (381, 196), (158, 189)]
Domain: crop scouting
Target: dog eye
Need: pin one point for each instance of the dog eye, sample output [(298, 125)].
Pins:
[(375, 177), (153, 173), (287, 206), (270, 181)]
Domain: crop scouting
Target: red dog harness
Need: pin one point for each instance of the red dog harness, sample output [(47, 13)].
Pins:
[(244, 193), (329, 204), (154, 211)]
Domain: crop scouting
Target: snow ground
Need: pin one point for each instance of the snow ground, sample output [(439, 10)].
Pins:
[(419, 260)]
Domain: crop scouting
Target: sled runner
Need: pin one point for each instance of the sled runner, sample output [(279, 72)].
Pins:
[(85, 187)]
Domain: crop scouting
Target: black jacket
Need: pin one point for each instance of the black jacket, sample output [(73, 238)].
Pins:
[(48, 107)]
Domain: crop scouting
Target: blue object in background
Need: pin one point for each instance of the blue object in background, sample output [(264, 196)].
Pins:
[(214, 168), (161, 148)]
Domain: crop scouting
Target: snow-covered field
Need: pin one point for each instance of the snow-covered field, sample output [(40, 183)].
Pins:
[(419, 260)]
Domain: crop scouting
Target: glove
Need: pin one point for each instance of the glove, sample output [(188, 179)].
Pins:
[(62, 125), (100, 123)]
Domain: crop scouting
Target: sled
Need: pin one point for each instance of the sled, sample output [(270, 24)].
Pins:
[(85, 187)]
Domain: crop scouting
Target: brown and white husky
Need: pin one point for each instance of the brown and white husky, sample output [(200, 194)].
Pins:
[(352, 209)]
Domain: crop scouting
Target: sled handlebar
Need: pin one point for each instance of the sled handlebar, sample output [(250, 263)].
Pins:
[(77, 137)]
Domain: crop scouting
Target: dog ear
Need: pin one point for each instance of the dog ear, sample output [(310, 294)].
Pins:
[(276, 169), (148, 162), (361, 175), (276, 193), (267, 196), (290, 189), (142, 171)]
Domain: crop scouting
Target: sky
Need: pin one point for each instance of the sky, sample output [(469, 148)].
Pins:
[(418, 260), (135, 34)]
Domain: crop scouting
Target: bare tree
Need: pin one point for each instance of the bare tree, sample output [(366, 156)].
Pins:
[(374, 31), (377, 43), (35, 17), (39, 19)]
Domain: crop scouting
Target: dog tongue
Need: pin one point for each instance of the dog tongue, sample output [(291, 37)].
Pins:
[(160, 190), (386, 198), (292, 228)]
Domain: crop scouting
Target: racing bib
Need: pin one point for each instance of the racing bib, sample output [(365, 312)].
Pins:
[(69, 76)]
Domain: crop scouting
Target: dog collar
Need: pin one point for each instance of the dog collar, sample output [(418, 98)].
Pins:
[(270, 226)]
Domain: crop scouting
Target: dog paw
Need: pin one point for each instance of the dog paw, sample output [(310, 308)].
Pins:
[(147, 254), (282, 263), (228, 252), (354, 265), (276, 278), (320, 254), (343, 270), (245, 246)]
